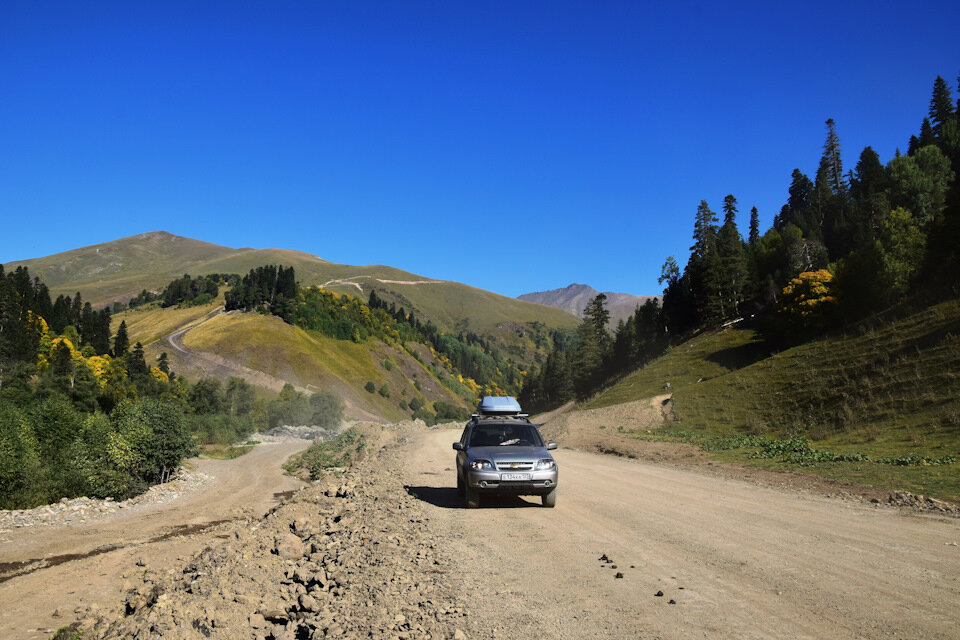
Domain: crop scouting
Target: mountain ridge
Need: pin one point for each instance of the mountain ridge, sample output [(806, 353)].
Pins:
[(574, 298), (119, 269)]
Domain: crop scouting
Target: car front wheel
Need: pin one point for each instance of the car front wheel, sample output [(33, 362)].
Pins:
[(472, 497), (459, 485), (550, 499)]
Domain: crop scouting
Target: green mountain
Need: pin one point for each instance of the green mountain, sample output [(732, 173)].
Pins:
[(118, 270), (201, 341)]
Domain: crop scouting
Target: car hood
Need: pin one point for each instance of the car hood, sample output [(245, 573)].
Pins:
[(508, 453)]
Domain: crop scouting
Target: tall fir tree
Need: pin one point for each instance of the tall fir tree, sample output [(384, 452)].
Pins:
[(704, 267), (941, 107), (754, 226), (831, 154), (121, 342), (733, 261)]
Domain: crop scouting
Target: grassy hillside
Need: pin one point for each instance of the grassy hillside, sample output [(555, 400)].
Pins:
[(120, 269), (887, 390), (267, 345)]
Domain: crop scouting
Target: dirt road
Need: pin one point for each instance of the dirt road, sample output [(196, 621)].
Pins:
[(731, 559), (76, 566)]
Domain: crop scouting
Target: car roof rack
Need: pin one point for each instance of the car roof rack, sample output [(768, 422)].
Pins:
[(498, 406)]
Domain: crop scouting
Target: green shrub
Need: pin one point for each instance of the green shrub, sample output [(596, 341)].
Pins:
[(370, 387), (427, 416)]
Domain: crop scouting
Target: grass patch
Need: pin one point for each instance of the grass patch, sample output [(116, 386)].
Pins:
[(877, 404), (321, 456), (150, 323)]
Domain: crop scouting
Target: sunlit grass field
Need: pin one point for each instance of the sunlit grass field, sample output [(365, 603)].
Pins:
[(887, 389)]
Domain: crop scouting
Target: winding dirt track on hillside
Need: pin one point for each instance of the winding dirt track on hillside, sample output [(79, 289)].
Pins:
[(211, 365), (76, 565), (738, 560), (214, 366)]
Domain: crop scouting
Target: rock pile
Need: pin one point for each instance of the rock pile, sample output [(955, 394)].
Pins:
[(286, 432), (923, 503), (340, 559), (83, 509)]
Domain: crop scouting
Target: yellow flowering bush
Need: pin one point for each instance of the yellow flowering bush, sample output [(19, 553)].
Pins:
[(808, 301)]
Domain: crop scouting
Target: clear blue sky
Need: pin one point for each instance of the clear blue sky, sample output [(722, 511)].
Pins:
[(514, 146)]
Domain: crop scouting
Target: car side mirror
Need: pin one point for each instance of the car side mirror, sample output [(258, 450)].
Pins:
[(551, 445), (458, 446)]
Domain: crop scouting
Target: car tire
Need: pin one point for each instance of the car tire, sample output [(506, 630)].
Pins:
[(472, 498), (550, 499), (459, 485)]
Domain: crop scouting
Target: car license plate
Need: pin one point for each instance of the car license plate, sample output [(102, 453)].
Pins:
[(515, 476)]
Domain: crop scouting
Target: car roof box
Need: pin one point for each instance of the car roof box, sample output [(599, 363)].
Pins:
[(498, 406)]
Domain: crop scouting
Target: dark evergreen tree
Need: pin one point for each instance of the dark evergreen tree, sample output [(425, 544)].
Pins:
[(163, 363), (121, 343), (754, 226), (593, 347), (927, 136), (831, 153), (704, 268), (137, 366), (733, 273), (941, 108)]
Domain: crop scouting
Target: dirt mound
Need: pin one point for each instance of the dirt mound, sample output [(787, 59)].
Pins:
[(342, 558), (603, 430)]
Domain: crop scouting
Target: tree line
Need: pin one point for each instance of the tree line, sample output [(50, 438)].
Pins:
[(82, 415), (845, 244)]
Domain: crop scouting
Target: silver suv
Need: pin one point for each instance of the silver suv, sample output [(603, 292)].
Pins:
[(504, 454)]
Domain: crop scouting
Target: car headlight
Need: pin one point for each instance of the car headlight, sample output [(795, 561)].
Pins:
[(546, 464), (480, 465)]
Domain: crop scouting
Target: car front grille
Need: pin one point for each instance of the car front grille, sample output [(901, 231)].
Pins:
[(515, 465)]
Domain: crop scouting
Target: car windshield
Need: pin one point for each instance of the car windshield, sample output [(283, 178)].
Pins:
[(504, 435)]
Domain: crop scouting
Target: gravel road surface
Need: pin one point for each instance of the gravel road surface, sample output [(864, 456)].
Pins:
[(738, 560)]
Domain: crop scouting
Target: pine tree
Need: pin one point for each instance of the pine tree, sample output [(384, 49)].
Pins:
[(121, 343), (704, 268), (593, 347), (941, 107), (754, 226), (732, 262), (799, 210), (927, 135), (137, 365), (831, 153)]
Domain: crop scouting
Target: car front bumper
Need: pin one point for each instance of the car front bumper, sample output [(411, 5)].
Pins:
[(539, 482)]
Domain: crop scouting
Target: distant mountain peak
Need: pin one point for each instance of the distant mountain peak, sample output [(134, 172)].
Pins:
[(574, 298)]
